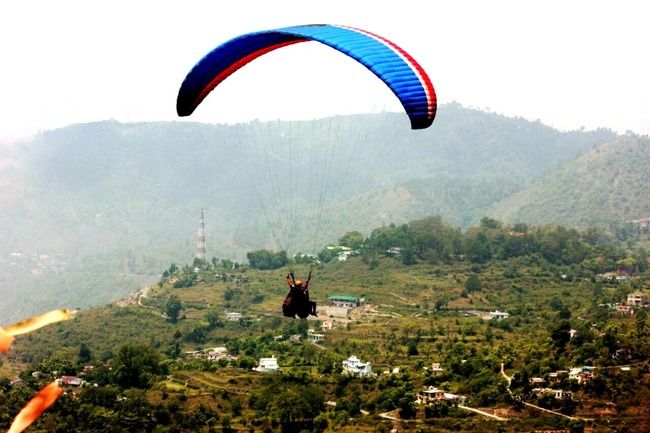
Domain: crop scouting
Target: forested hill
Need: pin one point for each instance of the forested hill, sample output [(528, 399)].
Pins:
[(94, 210), (607, 184)]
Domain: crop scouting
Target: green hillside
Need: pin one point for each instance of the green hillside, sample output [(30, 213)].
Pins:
[(605, 185), (430, 306)]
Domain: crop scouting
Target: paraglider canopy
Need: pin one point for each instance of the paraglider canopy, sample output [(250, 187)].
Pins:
[(394, 66)]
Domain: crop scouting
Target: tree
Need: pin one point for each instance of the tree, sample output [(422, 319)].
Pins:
[(265, 259), (85, 355), (473, 284), (173, 308), (135, 366), (352, 240), (214, 319), (413, 349), (560, 335), (478, 246)]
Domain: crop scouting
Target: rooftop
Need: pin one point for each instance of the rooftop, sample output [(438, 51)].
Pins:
[(342, 298)]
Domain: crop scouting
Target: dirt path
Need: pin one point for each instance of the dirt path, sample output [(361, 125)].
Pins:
[(143, 294), (481, 412)]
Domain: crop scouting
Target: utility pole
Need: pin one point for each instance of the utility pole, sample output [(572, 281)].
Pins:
[(201, 252)]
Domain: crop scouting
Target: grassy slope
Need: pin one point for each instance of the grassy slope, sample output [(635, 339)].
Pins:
[(408, 294)]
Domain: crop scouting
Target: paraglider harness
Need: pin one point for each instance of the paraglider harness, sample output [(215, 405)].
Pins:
[(297, 301)]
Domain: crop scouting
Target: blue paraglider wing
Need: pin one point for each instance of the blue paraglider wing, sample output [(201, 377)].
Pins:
[(394, 66)]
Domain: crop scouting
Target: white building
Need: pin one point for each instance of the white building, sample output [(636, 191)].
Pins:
[(344, 301), (637, 299), (233, 317), (343, 255), (355, 367), (431, 394), (313, 336), (436, 369), (394, 251), (267, 364), (558, 394), (498, 315)]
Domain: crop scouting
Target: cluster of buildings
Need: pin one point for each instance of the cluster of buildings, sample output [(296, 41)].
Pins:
[(634, 301), (543, 385), (214, 354), (63, 381), (619, 276), (35, 263)]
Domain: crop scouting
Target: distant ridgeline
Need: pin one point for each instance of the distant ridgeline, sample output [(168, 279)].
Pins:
[(93, 211)]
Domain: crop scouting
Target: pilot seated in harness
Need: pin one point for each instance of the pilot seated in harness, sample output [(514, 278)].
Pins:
[(297, 301)]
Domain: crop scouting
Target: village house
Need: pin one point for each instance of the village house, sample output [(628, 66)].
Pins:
[(556, 377), (558, 394), (537, 381), (233, 317), (355, 367), (344, 255), (69, 381), (218, 353), (328, 325), (267, 365), (344, 301), (637, 299), (498, 315), (581, 374), (624, 310), (607, 276), (432, 394), (394, 251), (435, 369), (313, 336)]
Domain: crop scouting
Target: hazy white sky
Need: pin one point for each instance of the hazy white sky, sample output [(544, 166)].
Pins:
[(567, 63)]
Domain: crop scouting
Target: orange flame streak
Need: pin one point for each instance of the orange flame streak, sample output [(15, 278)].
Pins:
[(36, 406), (33, 323), (5, 340), (28, 325)]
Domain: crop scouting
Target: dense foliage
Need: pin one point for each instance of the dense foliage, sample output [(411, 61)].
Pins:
[(265, 259)]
